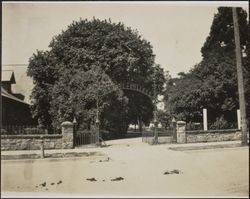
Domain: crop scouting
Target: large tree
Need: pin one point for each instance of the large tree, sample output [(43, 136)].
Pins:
[(212, 83), (89, 57)]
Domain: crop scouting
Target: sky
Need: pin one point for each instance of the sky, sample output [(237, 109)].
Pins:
[(176, 31)]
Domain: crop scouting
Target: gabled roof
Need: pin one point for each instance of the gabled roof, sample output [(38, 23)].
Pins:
[(4, 93), (8, 76)]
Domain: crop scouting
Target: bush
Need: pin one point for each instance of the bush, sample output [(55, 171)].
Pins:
[(34, 131), (3, 132), (194, 126), (221, 123)]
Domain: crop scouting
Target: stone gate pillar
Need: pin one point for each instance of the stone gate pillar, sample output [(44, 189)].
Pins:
[(67, 135), (181, 132)]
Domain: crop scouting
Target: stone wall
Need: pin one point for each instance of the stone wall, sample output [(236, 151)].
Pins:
[(213, 136), (30, 142), (33, 142)]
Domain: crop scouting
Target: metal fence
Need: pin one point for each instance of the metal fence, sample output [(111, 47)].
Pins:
[(164, 136), (85, 138), (27, 130)]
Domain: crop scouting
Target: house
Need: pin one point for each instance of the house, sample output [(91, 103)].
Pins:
[(15, 111)]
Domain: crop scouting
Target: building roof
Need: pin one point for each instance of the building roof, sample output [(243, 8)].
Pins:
[(8, 76), (4, 93)]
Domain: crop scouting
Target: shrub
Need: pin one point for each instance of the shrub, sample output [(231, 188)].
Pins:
[(221, 123), (3, 132), (34, 131)]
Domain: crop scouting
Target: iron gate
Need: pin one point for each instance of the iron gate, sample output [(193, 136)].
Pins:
[(84, 138), (164, 136)]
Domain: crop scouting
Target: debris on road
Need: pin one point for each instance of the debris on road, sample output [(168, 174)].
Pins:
[(91, 179), (43, 184), (105, 160), (117, 179), (175, 171), (59, 182)]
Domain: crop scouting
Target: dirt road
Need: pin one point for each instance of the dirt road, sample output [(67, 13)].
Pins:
[(131, 168)]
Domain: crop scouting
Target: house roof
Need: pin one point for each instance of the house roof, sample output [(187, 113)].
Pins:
[(8, 76), (4, 93)]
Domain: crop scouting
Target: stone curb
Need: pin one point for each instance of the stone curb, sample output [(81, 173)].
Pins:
[(48, 156), (214, 146)]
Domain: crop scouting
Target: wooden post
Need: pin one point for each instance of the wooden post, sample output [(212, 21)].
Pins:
[(238, 119), (240, 78), (42, 147), (205, 119)]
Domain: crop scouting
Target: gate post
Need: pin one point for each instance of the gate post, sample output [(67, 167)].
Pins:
[(174, 130), (67, 135), (181, 132)]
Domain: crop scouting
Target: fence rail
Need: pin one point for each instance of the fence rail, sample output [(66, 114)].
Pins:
[(27, 130)]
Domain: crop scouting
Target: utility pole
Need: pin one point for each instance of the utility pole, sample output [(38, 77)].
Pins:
[(240, 79), (155, 110)]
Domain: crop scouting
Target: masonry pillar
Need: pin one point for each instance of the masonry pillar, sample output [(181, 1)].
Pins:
[(67, 135), (181, 132)]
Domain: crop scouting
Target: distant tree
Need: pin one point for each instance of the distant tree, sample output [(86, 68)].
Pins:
[(69, 71), (164, 117), (212, 83), (183, 98)]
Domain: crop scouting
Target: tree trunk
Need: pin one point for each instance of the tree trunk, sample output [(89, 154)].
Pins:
[(140, 124)]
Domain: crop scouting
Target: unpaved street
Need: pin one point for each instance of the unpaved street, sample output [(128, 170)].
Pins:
[(132, 168)]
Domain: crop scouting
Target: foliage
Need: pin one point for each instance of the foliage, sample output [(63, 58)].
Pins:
[(221, 123), (194, 126), (164, 118), (212, 83), (44, 75), (76, 96), (87, 60)]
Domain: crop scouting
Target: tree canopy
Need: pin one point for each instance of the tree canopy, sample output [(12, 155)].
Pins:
[(212, 83), (87, 61)]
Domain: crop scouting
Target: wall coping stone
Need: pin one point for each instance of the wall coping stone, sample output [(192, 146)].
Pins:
[(67, 124), (222, 131), (181, 123)]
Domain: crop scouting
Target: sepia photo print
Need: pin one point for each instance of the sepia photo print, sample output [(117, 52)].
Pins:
[(124, 99)]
